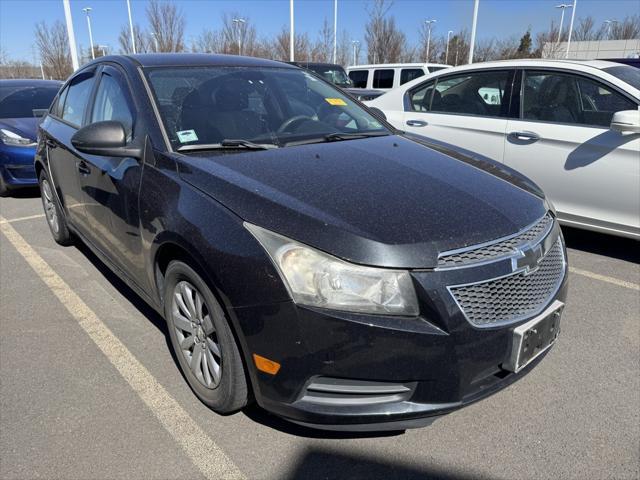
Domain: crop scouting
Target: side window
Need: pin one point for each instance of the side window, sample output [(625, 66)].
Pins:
[(359, 78), (383, 78), (111, 104), (420, 98), (408, 74), (77, 98), (476, 93), (566, 98), (56, 108)]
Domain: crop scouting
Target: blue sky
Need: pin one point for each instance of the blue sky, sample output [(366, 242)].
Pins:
[(498, 18)]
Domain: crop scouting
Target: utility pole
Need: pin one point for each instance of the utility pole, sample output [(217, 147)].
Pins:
[(476, 4), (133, 37), (563, 6), (87, 10), (573, 16), (70, 34), (335, 31), (291, 33), (355, 44), (239, 22), (446, 55), (429, 23)]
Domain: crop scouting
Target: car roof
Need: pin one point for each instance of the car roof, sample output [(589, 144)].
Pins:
[(314, 64), (396, 65), (538, 62), (194, 59), (29, 82)]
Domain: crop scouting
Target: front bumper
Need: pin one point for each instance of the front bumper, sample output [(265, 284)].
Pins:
[(344, 371), (17, 166)]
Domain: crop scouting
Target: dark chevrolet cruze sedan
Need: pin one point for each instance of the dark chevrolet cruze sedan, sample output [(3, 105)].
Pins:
[(340, 273)]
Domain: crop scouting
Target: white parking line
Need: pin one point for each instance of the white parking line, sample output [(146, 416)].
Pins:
[(604, 278), (197, 445), (20, 219)]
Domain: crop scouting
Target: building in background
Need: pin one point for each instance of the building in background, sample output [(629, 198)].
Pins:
[(590, 50)]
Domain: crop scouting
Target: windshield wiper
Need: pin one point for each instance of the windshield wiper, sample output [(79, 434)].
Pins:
[(337, 136), (228, 144)]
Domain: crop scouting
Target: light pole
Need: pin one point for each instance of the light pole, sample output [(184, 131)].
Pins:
[(87, 10), (476, 4), (291, 34), (573, 16), (608, 23), (70, 34), (104, 49), (446, 55), (563, 6), (429, 23), (335, 30), (239, 22), (133, 38), (155, 41), (355, 44)]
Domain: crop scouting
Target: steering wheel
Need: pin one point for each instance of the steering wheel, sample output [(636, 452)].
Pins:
[(290, 121)]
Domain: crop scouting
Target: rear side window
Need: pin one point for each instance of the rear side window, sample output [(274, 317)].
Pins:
[(383, 78), (408, 74), (111, 104), (77, 98), (420, 98), (56, 108), (477, 93), (359, 78)]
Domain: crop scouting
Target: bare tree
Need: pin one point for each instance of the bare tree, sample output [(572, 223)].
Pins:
[(279, 47), (627, 29), (53, 45), (585, 30), (236, 34), (167, 23), (385, 43), (143, 43), (209, 41)]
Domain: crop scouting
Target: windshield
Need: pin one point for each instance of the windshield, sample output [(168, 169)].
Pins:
[(332, 73), (277, 106), (627, 74), (21, 101)]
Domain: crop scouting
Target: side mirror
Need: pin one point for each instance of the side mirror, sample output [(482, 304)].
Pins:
[(107, 138), (626, 121)]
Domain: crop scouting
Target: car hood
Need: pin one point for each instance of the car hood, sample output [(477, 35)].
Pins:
[(25, 127), (385, 201)]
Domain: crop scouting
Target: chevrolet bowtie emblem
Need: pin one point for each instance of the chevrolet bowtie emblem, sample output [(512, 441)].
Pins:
[(527, 259)]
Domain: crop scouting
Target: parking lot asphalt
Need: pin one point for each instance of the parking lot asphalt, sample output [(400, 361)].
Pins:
[(89, 388)]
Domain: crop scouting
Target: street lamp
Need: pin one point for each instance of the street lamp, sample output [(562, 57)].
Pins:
[(474, 24), (133, 38), (446, 55), (335, 30), (573, 16), (608, 23), (87, 10), (428, 23), (563, 6), (239, 22), (355, 44)]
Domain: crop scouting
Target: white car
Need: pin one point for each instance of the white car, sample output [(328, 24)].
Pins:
[(572, 127), (385, 76)]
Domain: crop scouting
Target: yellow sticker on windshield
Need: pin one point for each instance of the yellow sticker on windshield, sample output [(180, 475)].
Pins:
[(335, 101)]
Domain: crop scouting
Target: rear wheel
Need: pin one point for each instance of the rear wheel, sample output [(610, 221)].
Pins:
[(55, 219), (203, 341)]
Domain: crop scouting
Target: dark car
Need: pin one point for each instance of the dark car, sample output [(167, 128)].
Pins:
[(22, 103), (338, 76), (303, 253)]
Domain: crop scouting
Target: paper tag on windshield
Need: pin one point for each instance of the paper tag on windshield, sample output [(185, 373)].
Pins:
[(186, 136), (336, 101)]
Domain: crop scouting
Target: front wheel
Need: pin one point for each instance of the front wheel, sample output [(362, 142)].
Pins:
[(203, 341), (55, 218)]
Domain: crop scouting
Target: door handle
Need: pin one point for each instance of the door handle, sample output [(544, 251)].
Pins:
[(417, 123), (525, 135), (83, 168)]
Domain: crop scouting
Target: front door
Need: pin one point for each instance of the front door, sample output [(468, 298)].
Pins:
[(563, 142)]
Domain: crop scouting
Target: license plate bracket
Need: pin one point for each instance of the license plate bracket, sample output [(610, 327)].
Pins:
[(533, 338)]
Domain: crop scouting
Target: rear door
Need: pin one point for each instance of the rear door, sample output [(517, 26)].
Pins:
[(110, 185), (468, 109), (63, 122), (563, 142)]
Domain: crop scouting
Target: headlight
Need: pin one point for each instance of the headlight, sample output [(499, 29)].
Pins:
[(317, 279), (9, 137)]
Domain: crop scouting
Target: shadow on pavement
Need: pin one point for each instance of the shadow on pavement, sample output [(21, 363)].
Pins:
[(602, 244), (29, 192), (325, 464)]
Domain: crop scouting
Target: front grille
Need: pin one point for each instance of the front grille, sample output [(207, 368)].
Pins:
[(514, 297), (499, 249)]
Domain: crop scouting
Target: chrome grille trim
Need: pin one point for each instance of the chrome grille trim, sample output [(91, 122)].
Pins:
[(496, 249), (513, 297)]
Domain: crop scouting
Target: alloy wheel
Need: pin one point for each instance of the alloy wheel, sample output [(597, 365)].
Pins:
[(50, 207)]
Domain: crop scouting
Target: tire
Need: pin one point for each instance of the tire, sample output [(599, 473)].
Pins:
[(53, 212), (200, 325)]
